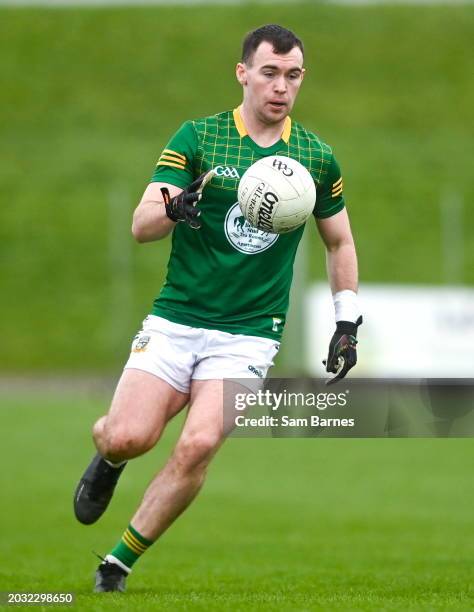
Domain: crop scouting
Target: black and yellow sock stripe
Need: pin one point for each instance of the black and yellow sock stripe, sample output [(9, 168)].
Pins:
[(132, 541), (130, 547)]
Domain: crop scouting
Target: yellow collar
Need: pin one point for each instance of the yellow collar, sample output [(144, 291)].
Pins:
[(239, 124)]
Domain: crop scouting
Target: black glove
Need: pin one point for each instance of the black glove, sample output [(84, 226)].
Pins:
[(183, 206), (342, 348)]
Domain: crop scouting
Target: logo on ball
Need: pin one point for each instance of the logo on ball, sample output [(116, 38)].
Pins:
[(265, 213), (284, 169)]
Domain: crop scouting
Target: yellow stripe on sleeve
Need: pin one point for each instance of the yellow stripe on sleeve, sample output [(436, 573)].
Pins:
[(166, 163), (336, 184), (336, 193), (171, 158), (178, 155)]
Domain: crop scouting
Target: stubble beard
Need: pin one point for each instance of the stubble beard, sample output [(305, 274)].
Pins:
[(271, 119)]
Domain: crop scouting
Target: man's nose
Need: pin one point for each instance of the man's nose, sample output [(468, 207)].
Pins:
[(280, 84)]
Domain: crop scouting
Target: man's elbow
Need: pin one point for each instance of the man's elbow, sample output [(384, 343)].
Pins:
[(341, 242), (143, 233), (138, 231)]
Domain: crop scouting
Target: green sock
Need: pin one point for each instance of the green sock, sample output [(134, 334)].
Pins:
[(130, 547)]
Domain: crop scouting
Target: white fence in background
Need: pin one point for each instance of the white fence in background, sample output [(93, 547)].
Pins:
[(408, 331)]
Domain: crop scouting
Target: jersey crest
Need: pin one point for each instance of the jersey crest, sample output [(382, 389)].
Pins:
[(244, 237)]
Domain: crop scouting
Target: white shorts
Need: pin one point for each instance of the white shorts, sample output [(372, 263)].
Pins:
[(179, 353)]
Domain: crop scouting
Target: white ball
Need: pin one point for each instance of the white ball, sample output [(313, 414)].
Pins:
[(277, 194)]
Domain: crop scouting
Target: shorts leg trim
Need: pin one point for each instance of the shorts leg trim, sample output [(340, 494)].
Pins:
[(159, 375)]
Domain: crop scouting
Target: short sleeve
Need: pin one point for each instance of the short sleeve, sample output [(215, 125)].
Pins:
[(176, 162), (329, 197)]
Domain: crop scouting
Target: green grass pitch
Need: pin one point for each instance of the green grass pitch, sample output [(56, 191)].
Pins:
[(280, 525)]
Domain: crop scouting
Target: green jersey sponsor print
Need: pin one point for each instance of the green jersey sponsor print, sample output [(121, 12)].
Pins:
[(229, 275)]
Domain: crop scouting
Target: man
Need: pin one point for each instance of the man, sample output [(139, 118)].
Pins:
[(211, 321)]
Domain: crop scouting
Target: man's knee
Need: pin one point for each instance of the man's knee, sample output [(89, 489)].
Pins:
[(122, 442), (196, 450)]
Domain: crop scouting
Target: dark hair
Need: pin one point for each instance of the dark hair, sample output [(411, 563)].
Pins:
[(283, 41)]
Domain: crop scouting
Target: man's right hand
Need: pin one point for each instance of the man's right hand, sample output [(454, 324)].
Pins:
[(183, 206)]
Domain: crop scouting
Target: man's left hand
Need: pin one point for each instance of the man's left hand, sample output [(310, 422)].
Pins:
[(342, 355)]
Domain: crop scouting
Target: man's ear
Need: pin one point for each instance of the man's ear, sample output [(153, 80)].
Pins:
[(241, 74)]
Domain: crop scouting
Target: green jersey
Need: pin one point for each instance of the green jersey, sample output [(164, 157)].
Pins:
[(229, 275)]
